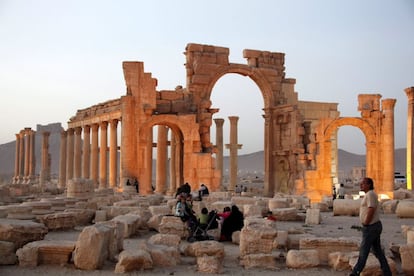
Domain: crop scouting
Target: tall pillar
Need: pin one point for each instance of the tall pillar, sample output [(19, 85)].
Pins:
[(86, 152), (77, 162), (162, 152), (94, 155), (233, 147), (268, 148), (113, 153), (32, 156), (219, 145), (173, 171), (69, 154), (103, 156), (388, 146), (21, 157), (27, 151), (16, 160), (62, 160), (410, 137), (146, 183), (44, 171)]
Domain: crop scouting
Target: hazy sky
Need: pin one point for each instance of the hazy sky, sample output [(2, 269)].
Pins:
[(60, 56)]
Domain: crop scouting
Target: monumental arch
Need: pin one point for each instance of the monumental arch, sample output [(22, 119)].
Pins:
[(299, 136)]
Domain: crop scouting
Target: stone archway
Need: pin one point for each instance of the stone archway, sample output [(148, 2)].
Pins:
[(297, 134), (377, 125)]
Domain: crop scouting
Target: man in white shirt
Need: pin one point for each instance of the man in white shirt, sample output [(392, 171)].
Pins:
[(371, 229)]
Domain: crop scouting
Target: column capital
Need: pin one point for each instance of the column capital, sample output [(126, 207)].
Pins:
[(409, 91), (388, 104), (103, 125), (63, 134), (87, 129), (78, 130), (70, 131), (219, 122), (95, 127)]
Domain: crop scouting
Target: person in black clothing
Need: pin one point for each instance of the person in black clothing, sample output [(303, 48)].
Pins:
[(234, 222), (136, 184), (183, 189), (203, 191)]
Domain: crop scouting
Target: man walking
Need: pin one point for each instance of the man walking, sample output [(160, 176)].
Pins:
[(371, 229)]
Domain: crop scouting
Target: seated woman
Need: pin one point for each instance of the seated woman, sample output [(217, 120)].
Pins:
[(234, 222)]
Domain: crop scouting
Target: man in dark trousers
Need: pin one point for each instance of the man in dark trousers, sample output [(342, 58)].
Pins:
[(371, 229)]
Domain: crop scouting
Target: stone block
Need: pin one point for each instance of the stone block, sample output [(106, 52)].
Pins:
[(96, 244), (405, 209), (407, 258), (266, 261), (45, 252), (346, 207), (302, 258), (257, 239), (324, 246), (313, 216), (132, 260), (20, 232), (165, 239), (59, 221), (162, 255), (7, 253)]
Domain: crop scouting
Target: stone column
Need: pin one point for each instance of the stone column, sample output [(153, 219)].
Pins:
[(32, 156), (146, 182), (162, 152), (388, 146), (103, 156), (113, 153), (173, 171), (27, 151), (233, 147), (267, 151), (69, 154), (44, 171), (16, 160), (94, 155), (62, 160), (410, 137), (86, 152), (77, 163), (21, 157), (219, 145)]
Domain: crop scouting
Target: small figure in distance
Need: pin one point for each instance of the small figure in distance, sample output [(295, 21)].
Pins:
[(136, 184), (341, 191)]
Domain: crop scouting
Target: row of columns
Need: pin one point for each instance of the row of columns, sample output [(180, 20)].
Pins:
[(25, 160), (162, 156), (86, 159)]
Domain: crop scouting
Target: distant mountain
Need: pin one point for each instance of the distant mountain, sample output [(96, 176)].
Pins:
[(254, 162)]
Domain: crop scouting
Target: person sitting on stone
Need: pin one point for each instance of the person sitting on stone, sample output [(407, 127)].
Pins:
[(234, 222), (203, 191)]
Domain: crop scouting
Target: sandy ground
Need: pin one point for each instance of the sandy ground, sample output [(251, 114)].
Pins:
[(331, 226)]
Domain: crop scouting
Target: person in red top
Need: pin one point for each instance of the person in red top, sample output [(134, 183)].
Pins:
[(226, 213)]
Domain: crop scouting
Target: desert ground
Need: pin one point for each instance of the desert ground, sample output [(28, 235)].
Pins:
[(331, 226)]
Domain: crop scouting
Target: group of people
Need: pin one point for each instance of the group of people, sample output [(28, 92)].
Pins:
[(136, 184), (230, 220)]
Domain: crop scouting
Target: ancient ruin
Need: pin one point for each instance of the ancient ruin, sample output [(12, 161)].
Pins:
[(300, 136), (112, 227)]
